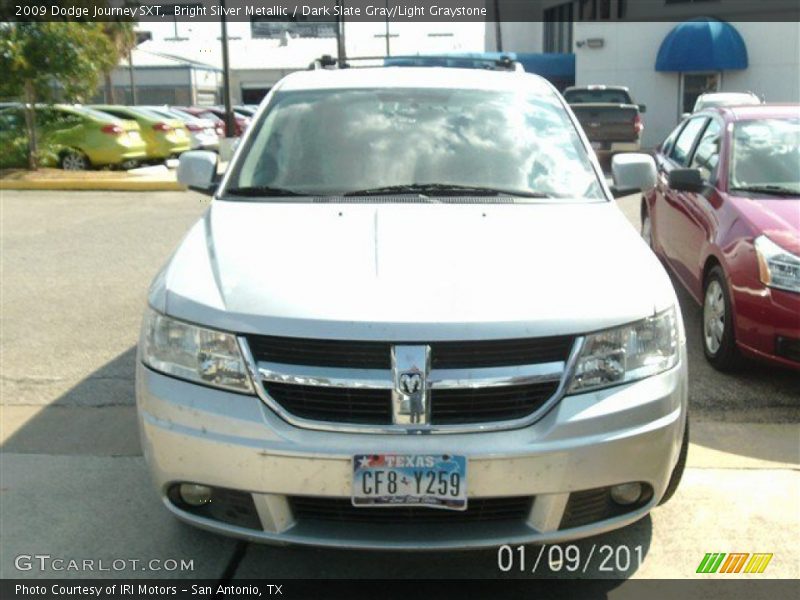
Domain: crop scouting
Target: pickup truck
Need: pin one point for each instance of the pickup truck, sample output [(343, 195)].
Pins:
[(412, 317), (610, 118)]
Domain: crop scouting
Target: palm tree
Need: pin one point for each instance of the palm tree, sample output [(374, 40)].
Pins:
[(123, 39)]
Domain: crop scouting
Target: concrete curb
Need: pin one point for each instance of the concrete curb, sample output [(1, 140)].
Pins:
[(130, 185)]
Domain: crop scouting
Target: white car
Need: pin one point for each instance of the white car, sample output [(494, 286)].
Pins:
[(713, 99), (412, 318)]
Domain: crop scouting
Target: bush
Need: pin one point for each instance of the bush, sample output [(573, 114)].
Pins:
[(14, 154)]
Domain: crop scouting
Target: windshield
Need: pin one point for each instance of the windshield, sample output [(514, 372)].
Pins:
[(331, 142), (601, 96), (766, 153)]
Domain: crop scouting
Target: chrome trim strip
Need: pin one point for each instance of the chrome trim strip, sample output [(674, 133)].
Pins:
[(375, 379), (448, 379), (566, 377), (382, 379)]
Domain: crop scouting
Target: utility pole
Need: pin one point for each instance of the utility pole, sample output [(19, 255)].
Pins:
[(388, 50), (132, 76), (226, 77), (341, 51), (498, 26)]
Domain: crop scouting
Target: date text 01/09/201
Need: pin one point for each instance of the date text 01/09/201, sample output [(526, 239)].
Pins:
[(572, 558)]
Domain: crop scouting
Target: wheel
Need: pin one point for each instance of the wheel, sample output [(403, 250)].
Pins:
[(74, 160), (719, 343), (680, 466), (647, 228)]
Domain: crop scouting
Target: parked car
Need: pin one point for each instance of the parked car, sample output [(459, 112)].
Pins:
[(203, 132), (165, 138), (219, 124), (609, 116), (712, 99), (240, 121), (413, 303), (246, 110), (725, 218), (81, 138)]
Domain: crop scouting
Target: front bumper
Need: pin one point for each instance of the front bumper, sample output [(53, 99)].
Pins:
[(768, 324), (630, 433)]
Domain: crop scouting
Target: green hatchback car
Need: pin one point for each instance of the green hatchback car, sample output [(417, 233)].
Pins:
[(165, 138), (81, 138)]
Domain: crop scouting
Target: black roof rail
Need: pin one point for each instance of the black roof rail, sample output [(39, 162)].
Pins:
[(505, 62)]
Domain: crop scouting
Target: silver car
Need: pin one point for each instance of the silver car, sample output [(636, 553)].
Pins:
[(413, 317)]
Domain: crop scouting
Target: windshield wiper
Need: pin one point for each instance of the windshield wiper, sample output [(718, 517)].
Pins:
[(774, 190), (262, 190), (444, 189)]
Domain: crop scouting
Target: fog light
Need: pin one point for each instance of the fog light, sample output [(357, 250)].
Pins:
[(194, 494), (626, 493)]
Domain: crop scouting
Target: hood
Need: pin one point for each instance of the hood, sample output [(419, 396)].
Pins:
[(777, 218), (412, 271)]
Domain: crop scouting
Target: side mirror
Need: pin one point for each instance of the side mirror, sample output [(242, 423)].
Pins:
[(642, 108), (686, 180), (633, 172), (197, 170)]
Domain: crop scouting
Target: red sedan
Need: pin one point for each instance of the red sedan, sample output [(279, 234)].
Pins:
[(725, 218)]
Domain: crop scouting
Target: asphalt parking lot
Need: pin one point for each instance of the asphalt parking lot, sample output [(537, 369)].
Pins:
[(75, 270)]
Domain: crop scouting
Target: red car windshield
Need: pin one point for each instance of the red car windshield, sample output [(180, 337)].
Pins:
[(765, 156)]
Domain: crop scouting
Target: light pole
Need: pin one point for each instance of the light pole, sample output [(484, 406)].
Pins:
[(226, 76), (388, 51)]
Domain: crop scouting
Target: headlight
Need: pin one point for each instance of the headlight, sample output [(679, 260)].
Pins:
[(627, 353), (195, 353), (777, 268)]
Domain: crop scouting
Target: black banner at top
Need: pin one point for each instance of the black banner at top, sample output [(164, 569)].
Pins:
[(397, 10)]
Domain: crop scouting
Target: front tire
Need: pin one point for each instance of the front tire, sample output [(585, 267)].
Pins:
[(75, 160), (719, 341)]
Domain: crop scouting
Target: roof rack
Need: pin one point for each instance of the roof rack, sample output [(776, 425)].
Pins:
[(502, 63)]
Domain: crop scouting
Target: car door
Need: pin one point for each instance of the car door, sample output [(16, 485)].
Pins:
[(701, 209), (670, 214)]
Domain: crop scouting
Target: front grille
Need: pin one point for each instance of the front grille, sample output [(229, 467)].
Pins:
[(373, 407), (499, 353), (321, 353), (478, 510), (351, 382), (334, 404), (480, 405), (377, 355)]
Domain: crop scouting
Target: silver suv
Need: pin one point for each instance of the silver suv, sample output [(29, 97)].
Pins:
[(412, 317)]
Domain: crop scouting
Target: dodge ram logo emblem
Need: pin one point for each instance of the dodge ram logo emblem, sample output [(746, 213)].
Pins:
[(411, 382), (410, 371)]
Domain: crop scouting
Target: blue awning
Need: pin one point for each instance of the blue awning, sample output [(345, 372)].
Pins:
[(556, 66), (702, 45)]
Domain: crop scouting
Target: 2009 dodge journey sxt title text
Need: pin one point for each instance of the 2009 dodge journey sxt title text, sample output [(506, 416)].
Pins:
[(411, 318)]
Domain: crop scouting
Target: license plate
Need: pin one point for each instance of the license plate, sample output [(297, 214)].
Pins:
[(431, 480), (597, 145)]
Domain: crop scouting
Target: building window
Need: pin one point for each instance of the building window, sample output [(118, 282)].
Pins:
[(558, 20), (695, 84), (294, 27), (558, 28)]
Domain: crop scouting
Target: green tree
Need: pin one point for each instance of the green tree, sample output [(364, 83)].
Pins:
[(42, 62)]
